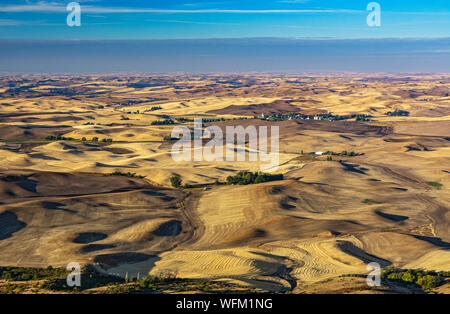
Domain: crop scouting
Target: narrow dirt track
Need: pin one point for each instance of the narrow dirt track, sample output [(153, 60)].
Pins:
[(438, 212), (441, 225), (188, 209), (400, 174)]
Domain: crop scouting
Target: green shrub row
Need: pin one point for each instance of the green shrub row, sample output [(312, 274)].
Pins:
[(247, 177), (26, 273), (425, 279), (125, 174)]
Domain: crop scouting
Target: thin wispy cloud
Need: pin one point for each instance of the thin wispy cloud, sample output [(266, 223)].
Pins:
[(190, 22), (9, 22), (156, 19), (119, 10), (60, 7), (6, 22), (47, 7), (293, 1)]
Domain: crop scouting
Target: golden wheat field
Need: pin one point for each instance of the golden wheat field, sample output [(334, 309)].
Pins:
[(85, 176)]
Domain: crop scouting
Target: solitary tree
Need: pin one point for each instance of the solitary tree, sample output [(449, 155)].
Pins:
[(176, 181)]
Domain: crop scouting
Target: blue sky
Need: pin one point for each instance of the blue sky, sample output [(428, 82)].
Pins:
[(176, 19), (225, 55), (222, 36)]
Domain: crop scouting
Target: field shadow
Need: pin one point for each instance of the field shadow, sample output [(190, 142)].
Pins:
[(433, 240), (169, 229), (95, 247), (354, 168), (89, 237), (43, 157), (153, 193), (360, 254), (396, 218), (57, 206), (22, 181), (115, 259), (9, 224)]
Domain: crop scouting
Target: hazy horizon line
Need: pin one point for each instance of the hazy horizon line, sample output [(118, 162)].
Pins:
[(230, 38), (290, 72), (272, 54)]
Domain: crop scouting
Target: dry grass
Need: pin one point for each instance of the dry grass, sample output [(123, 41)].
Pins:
[(294, 234)]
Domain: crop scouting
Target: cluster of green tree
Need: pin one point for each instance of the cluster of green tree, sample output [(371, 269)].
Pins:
[(362, 117), (169, 138), (151, 281), (90, 278), (247, 177), (425, 279), (184, 120), (210, 120), (241, 178), (59, 138), (84, 139), (125, 174), (301, 116), (135, 112), (397, 113), (24, 273), (163, 122), (343, 153), (95, 139), (54, 279), (132, 102), (435, 184), (170, 280), (176, 181), (155, 108), (124, 118)]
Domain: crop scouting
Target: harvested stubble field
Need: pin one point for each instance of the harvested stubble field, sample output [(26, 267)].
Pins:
[(329, 217)]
